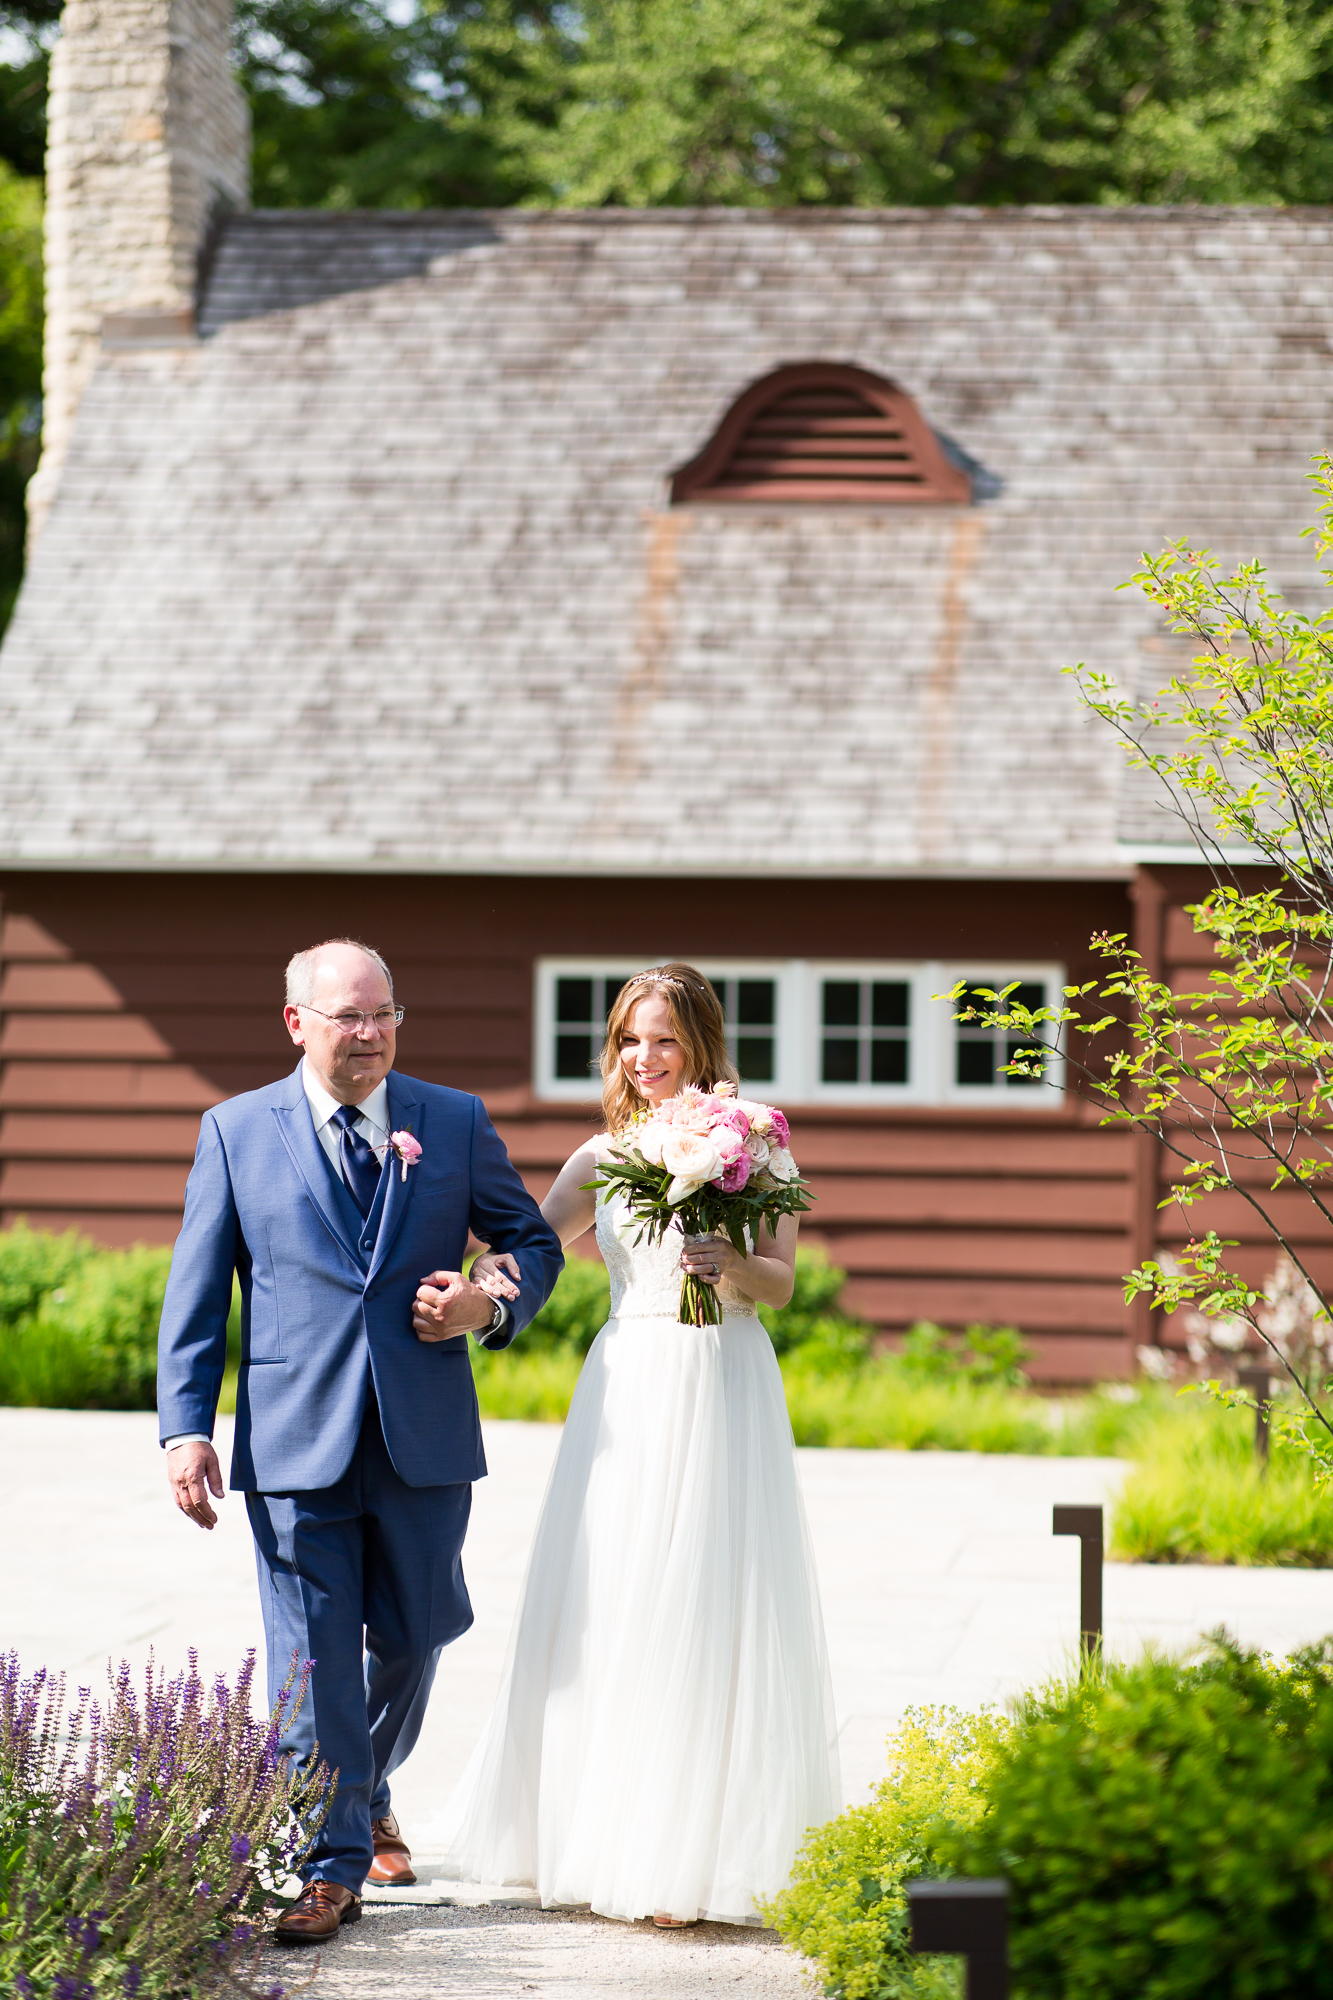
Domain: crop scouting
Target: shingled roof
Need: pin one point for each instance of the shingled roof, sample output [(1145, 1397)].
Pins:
[(381, 571)]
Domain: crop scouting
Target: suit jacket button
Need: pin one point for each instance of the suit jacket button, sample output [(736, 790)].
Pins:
[(367, 1243)]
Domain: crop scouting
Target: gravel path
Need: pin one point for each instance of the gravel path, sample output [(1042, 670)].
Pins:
[(511, 1948)]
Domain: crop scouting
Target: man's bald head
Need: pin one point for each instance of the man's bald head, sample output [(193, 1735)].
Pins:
[(340, 1010), (334, 958)]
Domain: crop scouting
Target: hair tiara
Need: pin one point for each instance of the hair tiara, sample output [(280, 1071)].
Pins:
[(663, 979)]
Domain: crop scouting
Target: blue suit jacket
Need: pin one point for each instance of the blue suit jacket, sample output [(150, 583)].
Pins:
[(326, 1299)]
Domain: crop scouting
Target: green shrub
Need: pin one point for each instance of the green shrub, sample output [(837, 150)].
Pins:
[(33, 1262), (533, 1388), (811, 1318), (1167, 1831), (92, 1341), (984, 1355), (575, 1313), (845, 1907)]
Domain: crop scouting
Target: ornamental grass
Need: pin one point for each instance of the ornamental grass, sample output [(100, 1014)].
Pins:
[(142, 1838), (1200, 1494)]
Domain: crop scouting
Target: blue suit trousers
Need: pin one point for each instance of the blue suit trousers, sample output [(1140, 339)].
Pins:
[(365, 1578)]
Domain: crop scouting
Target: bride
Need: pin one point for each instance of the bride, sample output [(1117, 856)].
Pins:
[(664, 1731)]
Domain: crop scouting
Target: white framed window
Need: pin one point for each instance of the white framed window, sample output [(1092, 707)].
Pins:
[(978, 1055), (760, 1005), (850, 1031), (870, 1036)]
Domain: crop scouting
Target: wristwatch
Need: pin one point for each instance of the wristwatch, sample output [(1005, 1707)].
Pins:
[(499, 1314)]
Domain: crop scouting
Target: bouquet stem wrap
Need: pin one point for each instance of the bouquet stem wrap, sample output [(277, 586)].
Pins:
[(711, 1164)]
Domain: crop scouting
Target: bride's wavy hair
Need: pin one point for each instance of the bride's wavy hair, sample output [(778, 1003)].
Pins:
[(696, 1018)]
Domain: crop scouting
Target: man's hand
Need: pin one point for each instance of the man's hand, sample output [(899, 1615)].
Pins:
[(447, 1304), (194, 1473)]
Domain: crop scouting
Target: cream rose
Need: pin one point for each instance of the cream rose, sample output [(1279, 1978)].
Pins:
[(781, 1164), (648, 1140), (690, 1158)]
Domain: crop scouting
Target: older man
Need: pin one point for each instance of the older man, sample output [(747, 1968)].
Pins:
[(334, 1196)]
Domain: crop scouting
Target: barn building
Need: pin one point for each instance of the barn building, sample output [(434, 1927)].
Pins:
[(540, 594)]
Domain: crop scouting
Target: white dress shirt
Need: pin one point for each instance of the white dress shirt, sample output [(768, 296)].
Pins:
[(372, 1122)]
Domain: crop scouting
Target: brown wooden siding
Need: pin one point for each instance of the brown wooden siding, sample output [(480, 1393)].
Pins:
[(1176, 953), (128, 1004)]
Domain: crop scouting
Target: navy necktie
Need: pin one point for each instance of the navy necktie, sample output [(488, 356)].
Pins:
[(356, 1157)]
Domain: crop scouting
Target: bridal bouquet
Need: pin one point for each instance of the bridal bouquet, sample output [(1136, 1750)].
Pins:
[(710, 1163)]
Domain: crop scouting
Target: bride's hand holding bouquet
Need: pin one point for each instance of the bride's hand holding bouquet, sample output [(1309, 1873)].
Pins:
[(711, 1164)]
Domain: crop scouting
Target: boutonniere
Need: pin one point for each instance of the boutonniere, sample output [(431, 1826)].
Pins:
[(405, 1148)]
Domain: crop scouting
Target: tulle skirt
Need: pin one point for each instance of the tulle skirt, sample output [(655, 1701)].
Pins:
[(664, 1732)]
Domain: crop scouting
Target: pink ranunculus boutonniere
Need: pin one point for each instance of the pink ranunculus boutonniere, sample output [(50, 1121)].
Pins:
[(405, 1148)]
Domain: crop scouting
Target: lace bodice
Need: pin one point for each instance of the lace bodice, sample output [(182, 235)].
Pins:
[(645, 1277)]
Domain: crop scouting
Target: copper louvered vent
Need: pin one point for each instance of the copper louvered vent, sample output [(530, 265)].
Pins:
[(823, 433)]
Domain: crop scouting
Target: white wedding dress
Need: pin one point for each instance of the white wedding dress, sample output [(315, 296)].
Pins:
[(664, 1732)]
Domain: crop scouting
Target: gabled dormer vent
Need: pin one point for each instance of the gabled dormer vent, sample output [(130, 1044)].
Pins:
[(818, 431)]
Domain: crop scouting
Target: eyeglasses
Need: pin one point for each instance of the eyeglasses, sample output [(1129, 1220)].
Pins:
[(351, 1024)]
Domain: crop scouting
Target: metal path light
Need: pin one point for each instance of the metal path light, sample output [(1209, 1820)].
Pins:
[(1258, 1381), (1086, 1523), (969, 1919)]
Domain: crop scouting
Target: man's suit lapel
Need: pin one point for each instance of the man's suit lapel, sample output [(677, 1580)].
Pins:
[(407, 1113), (297, 1128)]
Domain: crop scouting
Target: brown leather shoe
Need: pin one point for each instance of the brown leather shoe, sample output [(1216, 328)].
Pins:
[(392, 1866), (317, 1913)]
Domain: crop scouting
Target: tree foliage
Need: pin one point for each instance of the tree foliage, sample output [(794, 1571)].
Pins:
[(752, 102), (1234, 1077), (20, 366), (359, 104), (446, 103)]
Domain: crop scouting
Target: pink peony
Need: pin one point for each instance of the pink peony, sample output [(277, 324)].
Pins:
[(407, 1148), (733, 1118), (780, 1128), (733, 1177)]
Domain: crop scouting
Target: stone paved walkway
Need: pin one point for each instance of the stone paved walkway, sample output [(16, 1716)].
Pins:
[(941, 1583)]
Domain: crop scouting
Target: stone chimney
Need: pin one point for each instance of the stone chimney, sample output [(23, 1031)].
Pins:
[(149, 144)]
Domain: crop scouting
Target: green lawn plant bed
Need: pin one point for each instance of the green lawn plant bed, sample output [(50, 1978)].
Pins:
[(78, 1330)]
